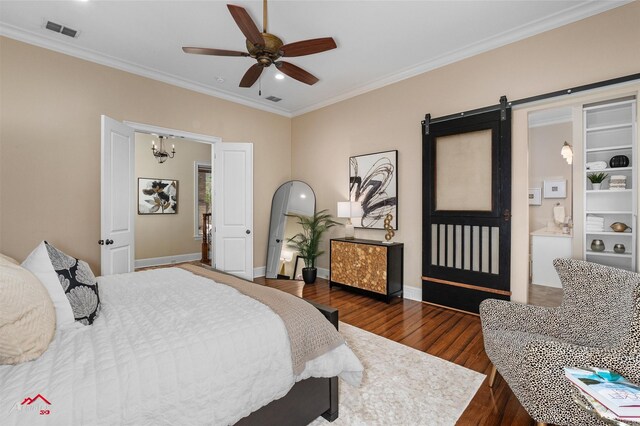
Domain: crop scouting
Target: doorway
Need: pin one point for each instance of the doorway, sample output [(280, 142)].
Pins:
[(165, 236), (232, 197), (521, 244), (551, 147)]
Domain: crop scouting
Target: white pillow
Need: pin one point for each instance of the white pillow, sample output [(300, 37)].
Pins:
[(27, 316), (6, 260), (39, 264)]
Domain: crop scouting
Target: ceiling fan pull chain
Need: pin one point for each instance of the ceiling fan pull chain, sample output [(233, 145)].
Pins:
[(260, 86)]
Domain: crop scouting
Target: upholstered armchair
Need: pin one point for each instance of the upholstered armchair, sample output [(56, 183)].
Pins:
[(597, 324)]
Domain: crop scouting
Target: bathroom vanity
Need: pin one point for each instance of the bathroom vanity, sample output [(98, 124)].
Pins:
[(548, 244)]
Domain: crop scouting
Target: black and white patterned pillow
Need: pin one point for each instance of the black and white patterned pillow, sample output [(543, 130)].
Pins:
[(78, 283)]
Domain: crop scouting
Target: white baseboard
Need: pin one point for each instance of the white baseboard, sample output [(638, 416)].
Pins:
[(323, 273), (260, 271), (412, 293), (167, 260)]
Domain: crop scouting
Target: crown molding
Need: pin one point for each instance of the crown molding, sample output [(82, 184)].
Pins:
[(576, 13), (36, 39)]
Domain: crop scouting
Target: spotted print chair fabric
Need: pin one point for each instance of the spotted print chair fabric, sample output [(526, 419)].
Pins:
[(597, 324)]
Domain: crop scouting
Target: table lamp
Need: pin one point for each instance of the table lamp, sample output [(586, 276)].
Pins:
[(348, 209)]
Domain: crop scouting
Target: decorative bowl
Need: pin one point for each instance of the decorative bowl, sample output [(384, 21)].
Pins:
[(619, 248), (597, 245), (619, 227), (619, 161)]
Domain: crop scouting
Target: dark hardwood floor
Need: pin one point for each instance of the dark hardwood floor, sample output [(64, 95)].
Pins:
[(448, 334)]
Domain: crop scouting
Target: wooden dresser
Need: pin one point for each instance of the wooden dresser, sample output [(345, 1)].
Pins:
[(367, 265)]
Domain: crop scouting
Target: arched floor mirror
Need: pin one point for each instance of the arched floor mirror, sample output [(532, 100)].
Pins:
[(293, 197)]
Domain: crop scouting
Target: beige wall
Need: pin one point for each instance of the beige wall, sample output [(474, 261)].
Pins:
[(50, 109), (159, 235), (544, 142), (50, 106), (598, 48)]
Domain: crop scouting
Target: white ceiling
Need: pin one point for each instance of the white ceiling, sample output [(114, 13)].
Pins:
[(379, 42)]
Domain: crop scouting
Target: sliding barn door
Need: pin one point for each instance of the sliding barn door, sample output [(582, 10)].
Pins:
[(466, 209)]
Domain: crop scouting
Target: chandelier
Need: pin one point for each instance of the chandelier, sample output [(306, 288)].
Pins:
[(160, 152)]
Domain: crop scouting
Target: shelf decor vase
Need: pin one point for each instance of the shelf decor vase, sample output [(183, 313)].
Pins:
[(619, 161), (619, 248), (597, 245), (619, 227)]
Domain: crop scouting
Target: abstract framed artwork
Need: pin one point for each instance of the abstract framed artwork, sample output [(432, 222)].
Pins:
[(534, 197), (555, 188), (373, 184), (157, 196)]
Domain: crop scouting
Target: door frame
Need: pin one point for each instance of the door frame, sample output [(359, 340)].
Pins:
[(150, 128)]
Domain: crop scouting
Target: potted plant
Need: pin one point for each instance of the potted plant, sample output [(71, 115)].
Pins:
[(307, 242), (597, 179)]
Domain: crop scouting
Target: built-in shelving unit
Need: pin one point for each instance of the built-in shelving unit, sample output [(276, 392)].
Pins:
[(610, 130)]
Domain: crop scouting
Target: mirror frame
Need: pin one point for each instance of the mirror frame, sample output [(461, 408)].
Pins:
[(271, 219)]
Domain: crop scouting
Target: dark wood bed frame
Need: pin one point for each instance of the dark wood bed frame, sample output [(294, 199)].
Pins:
[(307, 399)]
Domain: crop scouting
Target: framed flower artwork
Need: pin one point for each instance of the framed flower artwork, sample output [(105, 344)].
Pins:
[(157, 196)]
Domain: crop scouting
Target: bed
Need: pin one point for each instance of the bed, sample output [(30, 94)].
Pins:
[(172, 346)]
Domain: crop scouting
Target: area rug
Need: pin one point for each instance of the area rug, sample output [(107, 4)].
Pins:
[(401, 385)]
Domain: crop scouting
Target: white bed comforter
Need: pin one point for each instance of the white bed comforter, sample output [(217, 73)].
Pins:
[(167, 348)]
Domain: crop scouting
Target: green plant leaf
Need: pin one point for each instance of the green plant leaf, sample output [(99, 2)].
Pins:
[(307, 242), (597, 177)]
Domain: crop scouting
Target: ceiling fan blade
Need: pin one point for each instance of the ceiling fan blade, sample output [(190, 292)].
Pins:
[(246, 24), (251, 75), (215, 52), (308, 47), (296, 72)]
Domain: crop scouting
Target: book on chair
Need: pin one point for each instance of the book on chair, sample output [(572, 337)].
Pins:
[(610, 389)]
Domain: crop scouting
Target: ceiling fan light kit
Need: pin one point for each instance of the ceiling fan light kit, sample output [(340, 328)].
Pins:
[(267, 48)]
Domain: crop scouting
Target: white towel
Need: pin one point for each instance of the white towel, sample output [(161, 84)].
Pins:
[(596, 165), (558, 214)]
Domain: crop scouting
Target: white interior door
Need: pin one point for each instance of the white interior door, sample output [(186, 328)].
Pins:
[(118, 197), (233, 208)]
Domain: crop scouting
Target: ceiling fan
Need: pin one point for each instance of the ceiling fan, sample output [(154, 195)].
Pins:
[(267, 48)]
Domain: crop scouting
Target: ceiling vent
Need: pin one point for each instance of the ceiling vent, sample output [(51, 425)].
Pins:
[(273, 99), (61, 29)]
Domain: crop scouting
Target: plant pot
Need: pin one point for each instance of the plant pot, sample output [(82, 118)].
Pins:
[(596, 186), (309, 275)]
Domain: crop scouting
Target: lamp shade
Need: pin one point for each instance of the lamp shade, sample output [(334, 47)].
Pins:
[(344, 209), (356, 209), (286, 256)]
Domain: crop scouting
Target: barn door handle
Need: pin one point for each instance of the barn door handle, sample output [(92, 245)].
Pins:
[(506, 215), (108, 242), (101, 242)]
